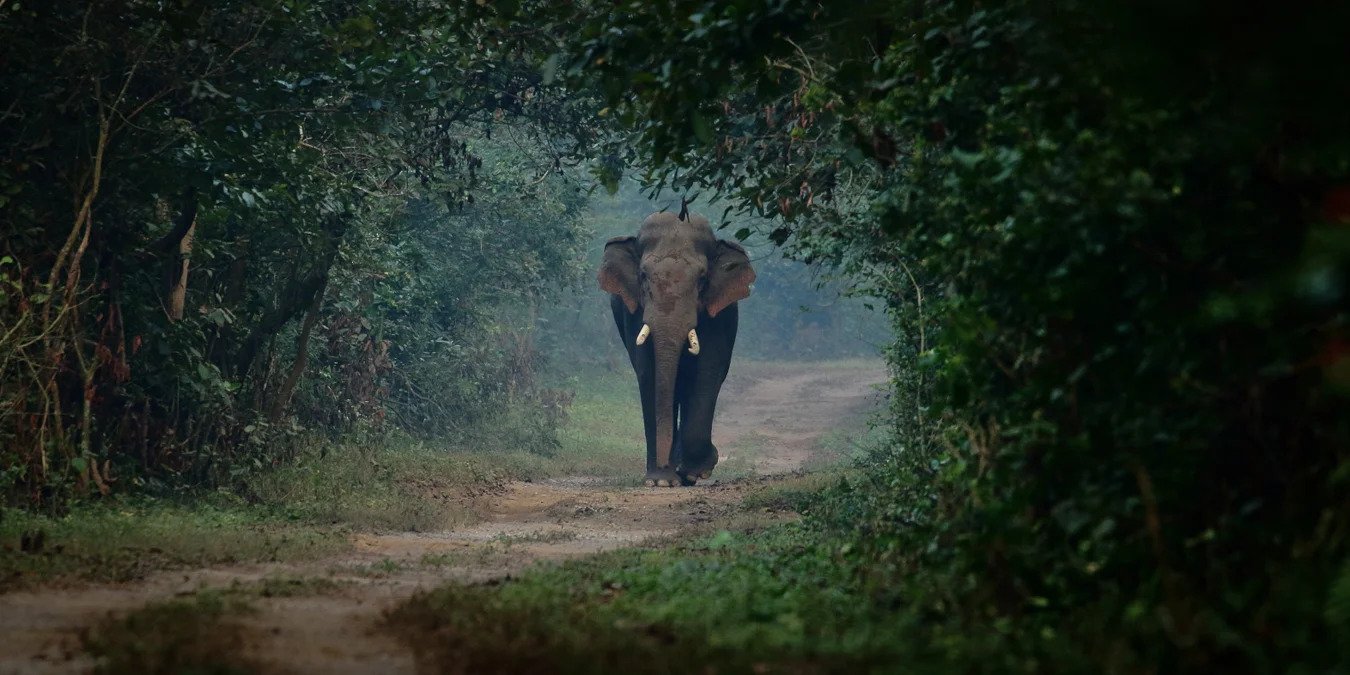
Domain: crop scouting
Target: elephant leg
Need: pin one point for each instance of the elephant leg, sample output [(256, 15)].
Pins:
[(686, 383), (670, 476), (657, 476), (647, 394), (629, 323), (711, 366), (700, 455)]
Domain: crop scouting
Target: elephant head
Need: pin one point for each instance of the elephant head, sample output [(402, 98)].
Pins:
[(675, 273)]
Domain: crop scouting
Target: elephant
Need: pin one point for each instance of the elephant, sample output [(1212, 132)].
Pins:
[(674, 291)]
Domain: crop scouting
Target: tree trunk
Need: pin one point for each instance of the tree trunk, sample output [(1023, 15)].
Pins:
[(178, 278), (283, 396), (297, 295)]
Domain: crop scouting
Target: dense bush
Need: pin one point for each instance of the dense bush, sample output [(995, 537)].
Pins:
[(227, 222), (1113, 238), (1114, 241)]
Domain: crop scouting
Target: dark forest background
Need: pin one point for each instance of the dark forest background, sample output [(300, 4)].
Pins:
[(1111, 240)]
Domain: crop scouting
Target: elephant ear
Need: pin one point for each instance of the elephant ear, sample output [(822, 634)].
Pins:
[(619, 271), (729, 276)]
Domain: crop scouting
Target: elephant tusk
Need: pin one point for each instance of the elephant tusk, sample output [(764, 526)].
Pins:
[(642, 334), (693, 342)]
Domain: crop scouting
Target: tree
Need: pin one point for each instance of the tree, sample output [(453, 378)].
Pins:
[(1112, 237), (191, 192)]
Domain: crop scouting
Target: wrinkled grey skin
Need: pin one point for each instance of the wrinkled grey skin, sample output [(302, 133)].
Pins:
[(673, 276)]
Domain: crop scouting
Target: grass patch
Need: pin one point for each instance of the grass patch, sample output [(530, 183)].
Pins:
[(185, 635), (603, 436), (122, 541), (194, 634), (844, 445), (306, 510), (536, 537), (454, 558), (790, 493), (290, 587), (402, 484), (409, 485), (778, 599), (740, 463), (380, 569)]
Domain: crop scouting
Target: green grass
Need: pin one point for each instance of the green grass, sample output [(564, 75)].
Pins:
[(123, 540), (194, 634), (184, 636), (750, 594), (380, 569), (778, 599), (603, 436), (411, 485), (475, 556), (536, 537), (793, 492), (289, 587), (400, 484), (306, 510), (844, 445), (740, 464)]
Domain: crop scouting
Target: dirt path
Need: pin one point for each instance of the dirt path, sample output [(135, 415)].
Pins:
[(771, 421)]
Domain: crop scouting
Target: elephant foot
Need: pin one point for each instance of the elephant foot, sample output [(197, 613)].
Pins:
[(701, 471), (662, 478), (699, 466), (694, 478)]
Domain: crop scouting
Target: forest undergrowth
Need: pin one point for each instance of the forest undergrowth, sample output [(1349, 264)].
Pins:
[(1112, 240), (308, 509)]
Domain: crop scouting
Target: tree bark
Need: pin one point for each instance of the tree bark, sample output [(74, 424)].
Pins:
[(283, 396), (179, 277), (299, 293)]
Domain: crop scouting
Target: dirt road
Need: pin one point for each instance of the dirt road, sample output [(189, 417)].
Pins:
[(771, 421)]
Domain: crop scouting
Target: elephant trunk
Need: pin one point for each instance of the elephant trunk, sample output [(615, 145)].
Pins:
[(669, 344)]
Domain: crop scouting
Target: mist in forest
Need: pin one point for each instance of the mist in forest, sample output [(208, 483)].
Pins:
[(796, 312), (1045, 366)]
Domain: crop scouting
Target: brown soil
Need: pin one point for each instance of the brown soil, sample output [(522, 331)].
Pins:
[(770, 419)]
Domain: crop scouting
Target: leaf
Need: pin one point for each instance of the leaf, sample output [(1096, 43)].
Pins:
[(702, 128), (966, 159), (549, 69)]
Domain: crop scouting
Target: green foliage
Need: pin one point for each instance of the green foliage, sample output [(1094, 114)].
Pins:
[(1111, 240), (286, 216), (305, 509)]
